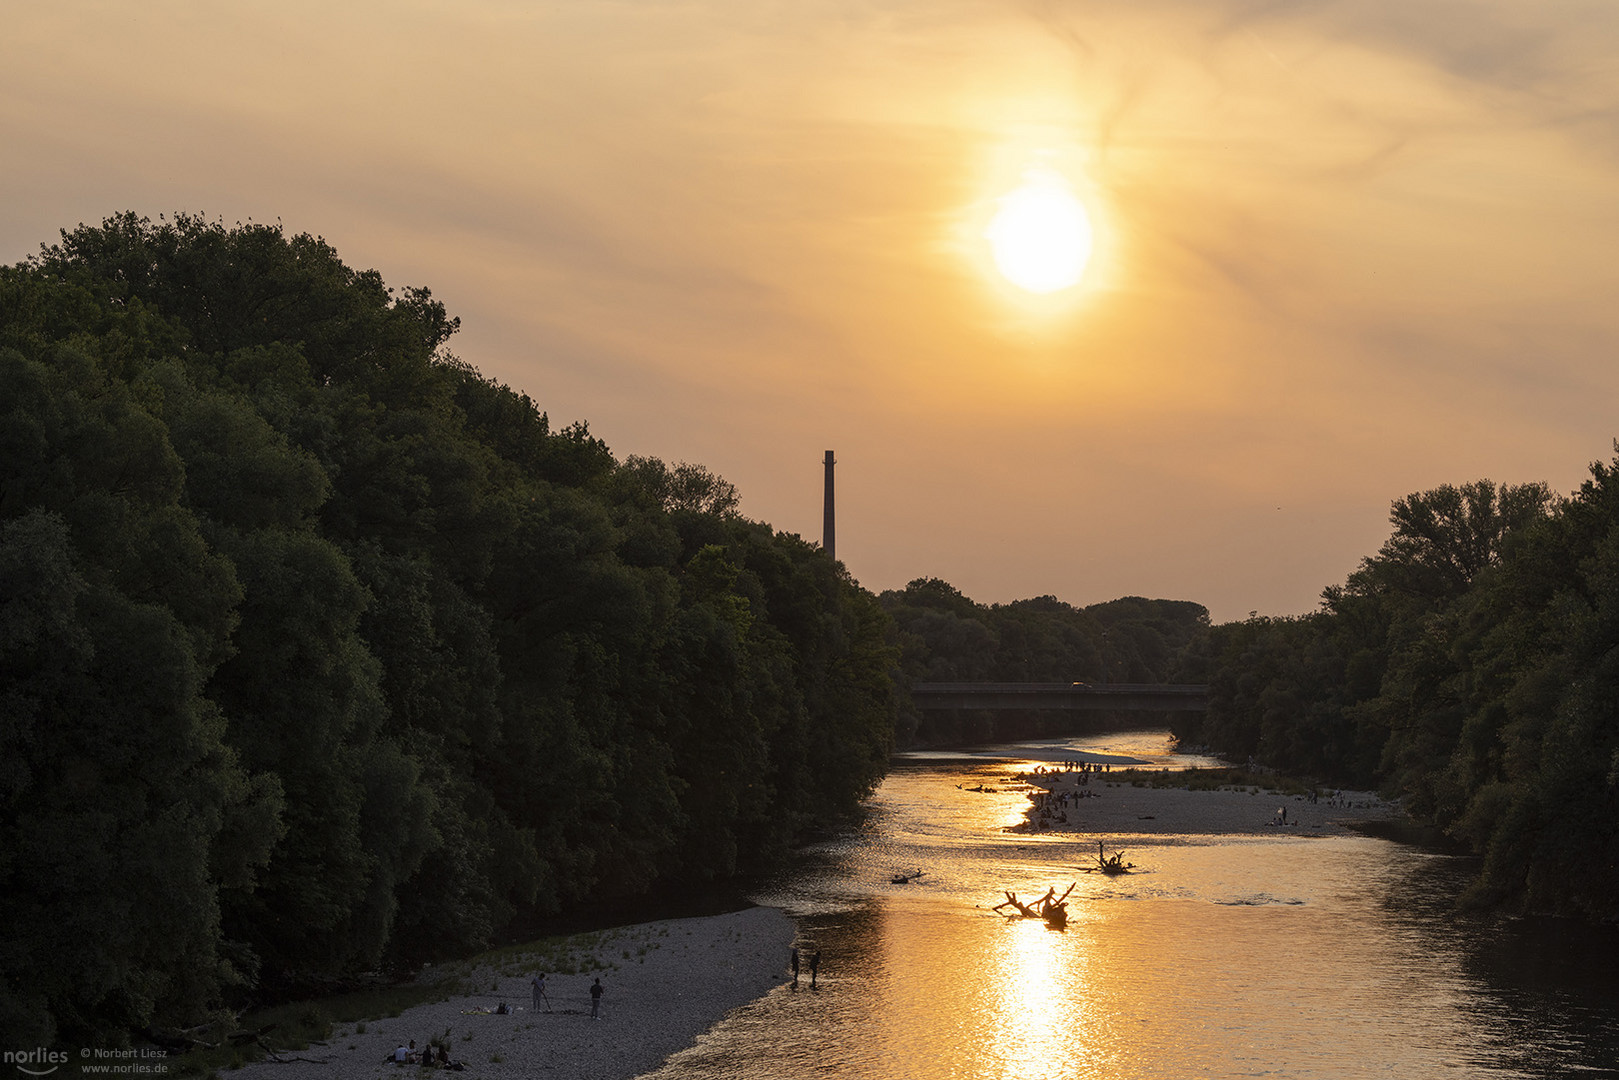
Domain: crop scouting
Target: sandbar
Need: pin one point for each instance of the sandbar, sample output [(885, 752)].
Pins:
[(1110, 805)]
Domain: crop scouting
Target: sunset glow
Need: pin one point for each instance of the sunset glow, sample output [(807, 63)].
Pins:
[(1241, 275), (1041, 236)]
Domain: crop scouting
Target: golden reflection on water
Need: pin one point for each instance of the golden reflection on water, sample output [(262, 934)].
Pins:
[(1221, 958), (1213, 959), (1129, 989), (1042, 1003)]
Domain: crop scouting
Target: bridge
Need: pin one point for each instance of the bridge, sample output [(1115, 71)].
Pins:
[(1131, 697)]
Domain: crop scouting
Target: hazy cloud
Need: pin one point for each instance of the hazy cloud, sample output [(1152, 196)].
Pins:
[(1346, 250)]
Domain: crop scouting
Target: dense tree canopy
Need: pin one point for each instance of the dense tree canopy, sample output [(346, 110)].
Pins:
[(1470, 667), (946, 637), (320, 651)]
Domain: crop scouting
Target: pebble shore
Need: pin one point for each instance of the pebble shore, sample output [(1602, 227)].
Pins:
[(1109, 806), (666, 983)]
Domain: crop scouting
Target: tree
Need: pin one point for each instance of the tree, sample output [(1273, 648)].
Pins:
[(1445, 537), (379, 659), (122, 810)]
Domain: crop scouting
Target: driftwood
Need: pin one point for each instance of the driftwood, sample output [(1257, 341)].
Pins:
[(1012, 901), (1050, 907), (271, 1055), (1108, 864)]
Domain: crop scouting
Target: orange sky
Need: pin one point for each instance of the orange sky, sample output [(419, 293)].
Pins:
[(1345, 250)]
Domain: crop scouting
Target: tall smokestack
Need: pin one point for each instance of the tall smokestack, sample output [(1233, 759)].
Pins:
[(828, 530)]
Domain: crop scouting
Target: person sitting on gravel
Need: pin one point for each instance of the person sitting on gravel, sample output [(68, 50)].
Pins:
[(439, 1058)]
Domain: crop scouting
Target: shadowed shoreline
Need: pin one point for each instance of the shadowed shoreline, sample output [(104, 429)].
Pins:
[(666, 983)]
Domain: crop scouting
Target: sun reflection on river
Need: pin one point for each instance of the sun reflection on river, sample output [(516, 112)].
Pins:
[(1039, 1013), (1328, 958)]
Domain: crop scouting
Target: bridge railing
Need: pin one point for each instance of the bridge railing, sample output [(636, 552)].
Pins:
[(1157, 697)]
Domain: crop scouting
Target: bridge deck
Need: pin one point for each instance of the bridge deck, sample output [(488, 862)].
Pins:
[(1155, 697)]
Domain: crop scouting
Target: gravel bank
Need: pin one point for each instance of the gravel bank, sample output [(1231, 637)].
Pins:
[(666, 983), (1112, 808)]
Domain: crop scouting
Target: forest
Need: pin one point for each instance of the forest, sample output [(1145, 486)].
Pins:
[(1469, 667), (945, 637), (320, 653)]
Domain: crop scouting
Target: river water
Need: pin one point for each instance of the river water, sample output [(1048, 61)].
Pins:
[(1235, 956)]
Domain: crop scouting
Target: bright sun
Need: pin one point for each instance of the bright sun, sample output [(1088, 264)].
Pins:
[(1041, 236)]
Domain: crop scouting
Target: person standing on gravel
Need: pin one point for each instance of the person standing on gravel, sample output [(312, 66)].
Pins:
[(596, 999), (540, 994)]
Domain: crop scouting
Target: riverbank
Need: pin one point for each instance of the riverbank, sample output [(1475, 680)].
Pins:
[(1116, 804), (665, 984)]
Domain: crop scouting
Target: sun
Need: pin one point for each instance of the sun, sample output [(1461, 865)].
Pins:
[(1041, 236)]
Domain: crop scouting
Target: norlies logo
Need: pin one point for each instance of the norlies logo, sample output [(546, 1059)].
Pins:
[(30, 1061)]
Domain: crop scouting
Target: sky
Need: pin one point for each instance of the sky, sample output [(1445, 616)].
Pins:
[(1345, 250)]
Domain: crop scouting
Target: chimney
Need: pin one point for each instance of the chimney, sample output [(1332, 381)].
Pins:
[(828, 532)]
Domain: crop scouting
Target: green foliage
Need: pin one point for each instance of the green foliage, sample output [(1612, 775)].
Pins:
[(322, 652), (1469, 668), (949, 638), (1210, 780), (945, 637), (122, 808)]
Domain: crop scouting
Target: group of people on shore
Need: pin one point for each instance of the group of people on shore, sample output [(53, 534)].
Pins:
[(433, 1056), (1050, 806), (1082, 769), (437, 1056)]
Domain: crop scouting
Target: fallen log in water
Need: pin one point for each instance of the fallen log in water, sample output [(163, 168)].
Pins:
[(1108, 864), (1050, 907)]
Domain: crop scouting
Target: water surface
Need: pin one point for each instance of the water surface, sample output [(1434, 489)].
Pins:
[(1275, 956)]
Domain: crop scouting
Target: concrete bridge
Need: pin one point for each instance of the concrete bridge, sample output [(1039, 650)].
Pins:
[(1131, 697)]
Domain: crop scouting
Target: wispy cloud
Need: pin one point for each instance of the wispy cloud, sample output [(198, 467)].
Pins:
[(1346, 248)]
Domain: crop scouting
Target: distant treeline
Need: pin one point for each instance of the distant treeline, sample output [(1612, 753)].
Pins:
[(1470, 666), (945, 637), (320, 652)]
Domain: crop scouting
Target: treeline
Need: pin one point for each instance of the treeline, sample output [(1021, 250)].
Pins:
[(946, 637), (1471, 667), (321, 652)]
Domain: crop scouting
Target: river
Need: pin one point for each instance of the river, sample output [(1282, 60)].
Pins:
[(1224, 956)]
